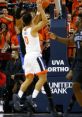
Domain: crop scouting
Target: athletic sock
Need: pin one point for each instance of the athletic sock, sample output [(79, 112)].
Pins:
[(20, 93), (35, 93)]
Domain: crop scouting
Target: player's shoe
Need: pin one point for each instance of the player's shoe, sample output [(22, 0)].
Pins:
[(56, 114), (16, 102), (65, 114), (31, 102)]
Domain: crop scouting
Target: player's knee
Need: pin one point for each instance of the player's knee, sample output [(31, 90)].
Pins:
[(43, 79)]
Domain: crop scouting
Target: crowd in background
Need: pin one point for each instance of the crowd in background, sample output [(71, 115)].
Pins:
[(11, 12)]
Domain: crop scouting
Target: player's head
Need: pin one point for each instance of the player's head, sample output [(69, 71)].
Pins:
[(27, 19)]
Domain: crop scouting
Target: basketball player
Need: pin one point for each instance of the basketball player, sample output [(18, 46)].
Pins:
[(47, 89), (45, 35), (75, 72), (33, 63)]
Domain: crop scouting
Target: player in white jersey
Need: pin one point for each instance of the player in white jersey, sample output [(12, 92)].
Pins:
[(33, 63), (33, 53)]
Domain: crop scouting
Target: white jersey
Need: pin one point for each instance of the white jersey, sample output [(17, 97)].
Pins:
[(33, 62), (32, 43)]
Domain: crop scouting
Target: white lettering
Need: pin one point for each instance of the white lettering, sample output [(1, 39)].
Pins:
[(57, 62), (58, 69), (59, 91), (59, 87)]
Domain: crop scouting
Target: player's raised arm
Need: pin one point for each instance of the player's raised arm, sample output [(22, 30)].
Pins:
[(61, 39), (43, 22)]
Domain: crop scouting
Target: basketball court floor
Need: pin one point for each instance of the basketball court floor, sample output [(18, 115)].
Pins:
[(38, 115)]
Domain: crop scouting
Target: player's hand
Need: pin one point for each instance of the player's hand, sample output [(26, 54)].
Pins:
[(52, 36), (69, 75)]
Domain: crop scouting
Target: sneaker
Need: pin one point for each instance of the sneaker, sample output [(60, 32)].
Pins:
[(31, 102), (53, 111), (55, 114), (16, 102)]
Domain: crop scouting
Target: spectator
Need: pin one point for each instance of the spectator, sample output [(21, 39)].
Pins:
[(8, 19), (69, 6), (13, 67), (4, 37)]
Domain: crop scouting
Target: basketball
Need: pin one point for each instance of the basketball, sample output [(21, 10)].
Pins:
[(45, 3)]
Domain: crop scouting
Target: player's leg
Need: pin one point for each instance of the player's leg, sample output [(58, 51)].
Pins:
[(41, 81), (24, 86), (77, 81)]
